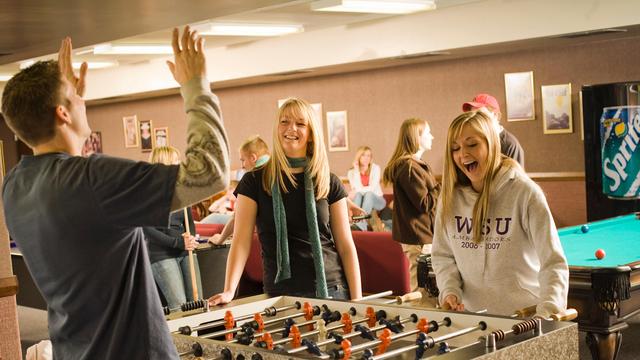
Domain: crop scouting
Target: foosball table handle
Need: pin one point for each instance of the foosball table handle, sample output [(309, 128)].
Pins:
[(526, 312), (408, 297), (566, 315)]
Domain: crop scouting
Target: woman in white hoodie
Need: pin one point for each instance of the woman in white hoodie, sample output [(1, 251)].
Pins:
[(495, 245), (364, 181)]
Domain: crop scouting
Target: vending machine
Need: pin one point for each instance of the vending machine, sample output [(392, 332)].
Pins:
[(611, 125)]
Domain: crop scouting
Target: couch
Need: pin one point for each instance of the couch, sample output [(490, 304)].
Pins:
[(383, 266)]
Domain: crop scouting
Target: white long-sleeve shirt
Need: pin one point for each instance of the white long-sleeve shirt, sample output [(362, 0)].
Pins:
[(374, 181), (520, 261)]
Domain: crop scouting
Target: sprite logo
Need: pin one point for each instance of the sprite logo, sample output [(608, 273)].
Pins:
[(620, 135)]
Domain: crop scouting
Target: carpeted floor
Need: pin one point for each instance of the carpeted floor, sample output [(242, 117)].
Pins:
[(33, 328)]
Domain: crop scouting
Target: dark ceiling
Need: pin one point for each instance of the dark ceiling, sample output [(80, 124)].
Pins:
[(31, 28)]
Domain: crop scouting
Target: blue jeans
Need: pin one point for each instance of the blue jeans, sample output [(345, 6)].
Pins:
[(215, 218), (174, 279), (339, 292), (368, 201)]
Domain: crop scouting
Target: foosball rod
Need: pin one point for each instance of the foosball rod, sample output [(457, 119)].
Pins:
[(375, 296), (338, 340), (248, 334), (315, 310), (430, 341), (317, 331), (565, 315), (270, 311), (534, 324), (196, 350), (260, 334), (367, 345), (408, 297)]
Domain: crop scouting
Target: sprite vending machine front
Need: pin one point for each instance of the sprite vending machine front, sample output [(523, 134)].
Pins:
[(620, 135)]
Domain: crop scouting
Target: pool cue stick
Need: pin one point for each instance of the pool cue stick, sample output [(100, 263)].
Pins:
[(192, 268)]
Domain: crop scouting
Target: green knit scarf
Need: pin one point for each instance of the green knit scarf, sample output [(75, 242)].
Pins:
[(282, 239)]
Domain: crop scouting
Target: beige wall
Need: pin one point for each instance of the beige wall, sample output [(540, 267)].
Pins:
[(377, 101)]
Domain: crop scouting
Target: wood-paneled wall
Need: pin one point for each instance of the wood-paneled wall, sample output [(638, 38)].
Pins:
[(377, 101)]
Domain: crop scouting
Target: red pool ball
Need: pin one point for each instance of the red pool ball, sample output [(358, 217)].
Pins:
[(600, 254)]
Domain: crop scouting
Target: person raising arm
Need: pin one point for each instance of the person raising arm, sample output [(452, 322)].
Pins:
[(77, 220)]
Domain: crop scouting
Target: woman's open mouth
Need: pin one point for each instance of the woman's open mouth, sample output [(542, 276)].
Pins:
[(470, 165)]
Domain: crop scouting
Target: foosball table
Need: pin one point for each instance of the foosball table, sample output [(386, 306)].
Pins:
[(287, 327)]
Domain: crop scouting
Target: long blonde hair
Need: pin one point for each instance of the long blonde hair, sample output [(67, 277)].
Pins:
[(408, 144), (356, 161), (167, 155), (318, 164), (482, 123)]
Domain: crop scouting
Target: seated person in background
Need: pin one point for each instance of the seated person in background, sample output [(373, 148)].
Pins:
[(300, 210), (364, 181), (509, 144), (168, 246), (495, 245), (254, 153), (221, 209)]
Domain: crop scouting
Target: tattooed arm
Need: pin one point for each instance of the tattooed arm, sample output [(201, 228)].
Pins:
[(205, 170)]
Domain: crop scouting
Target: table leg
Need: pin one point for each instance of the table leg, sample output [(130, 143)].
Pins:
[(604, 346)]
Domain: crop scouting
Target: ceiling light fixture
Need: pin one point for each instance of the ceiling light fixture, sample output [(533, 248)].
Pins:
[(26, 64), (130, 49), (374, 6), (242, 29), (76, 65), (5, 77), (96, 64)]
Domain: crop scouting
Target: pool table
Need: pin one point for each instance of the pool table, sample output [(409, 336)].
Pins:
[(605, 292)]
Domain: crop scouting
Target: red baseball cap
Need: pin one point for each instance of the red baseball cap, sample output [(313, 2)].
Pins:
[(480, 101)]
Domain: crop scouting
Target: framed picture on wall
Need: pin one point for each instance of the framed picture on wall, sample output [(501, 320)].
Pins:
[(519, 93), (146, 141), (130, 130), (160, 136), (93, 144), (556, 109), (337, 131)]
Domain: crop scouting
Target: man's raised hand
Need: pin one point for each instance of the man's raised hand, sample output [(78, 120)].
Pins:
[(188, 52), (66, 67)]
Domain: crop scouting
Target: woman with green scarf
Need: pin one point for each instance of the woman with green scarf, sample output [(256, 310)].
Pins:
[(300, 210)]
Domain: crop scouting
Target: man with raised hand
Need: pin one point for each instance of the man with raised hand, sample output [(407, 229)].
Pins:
[(78, 220)]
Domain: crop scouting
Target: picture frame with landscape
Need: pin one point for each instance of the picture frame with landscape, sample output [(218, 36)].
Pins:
[(556, 109), (519, 96)]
